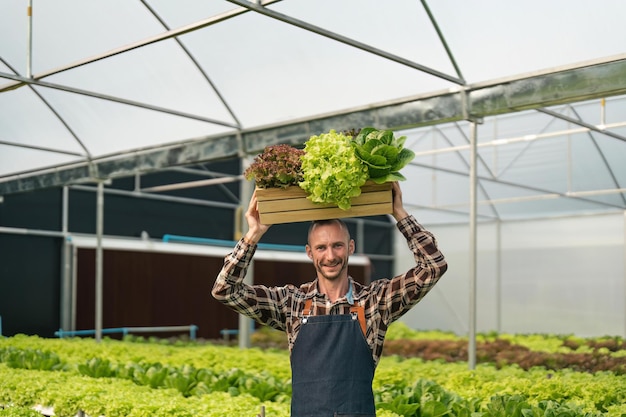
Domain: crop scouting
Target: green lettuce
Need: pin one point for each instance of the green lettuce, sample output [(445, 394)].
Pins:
[(382, 153), (331, 169)]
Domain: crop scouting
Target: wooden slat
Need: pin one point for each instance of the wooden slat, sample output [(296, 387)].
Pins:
[(291, 205)]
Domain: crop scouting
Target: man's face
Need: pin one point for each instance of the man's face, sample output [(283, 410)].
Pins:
[(329, 248)]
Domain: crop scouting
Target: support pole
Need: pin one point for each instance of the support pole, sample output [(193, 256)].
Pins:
[(247, 188), (99, 279), (471, 352), (499, 276), (66, 283), (29, 54)]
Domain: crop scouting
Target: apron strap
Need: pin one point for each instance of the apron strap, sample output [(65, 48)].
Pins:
[(355, 309), (308, 307), (360, 312)]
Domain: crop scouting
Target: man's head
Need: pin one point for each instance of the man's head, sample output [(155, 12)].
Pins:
[(329, 246)]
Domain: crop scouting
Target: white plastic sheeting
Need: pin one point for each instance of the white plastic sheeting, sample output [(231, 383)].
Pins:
[(86, 82), (559, 276)]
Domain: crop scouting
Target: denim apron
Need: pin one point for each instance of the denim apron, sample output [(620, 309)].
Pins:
[(332, 367)]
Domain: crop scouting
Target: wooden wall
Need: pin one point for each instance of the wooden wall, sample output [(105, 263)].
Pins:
[(161, 289)]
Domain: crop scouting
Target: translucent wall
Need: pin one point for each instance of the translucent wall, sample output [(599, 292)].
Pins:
[(559, 276)]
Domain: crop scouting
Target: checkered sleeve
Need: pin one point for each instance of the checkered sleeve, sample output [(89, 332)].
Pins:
[(266, 305), (402, 292)]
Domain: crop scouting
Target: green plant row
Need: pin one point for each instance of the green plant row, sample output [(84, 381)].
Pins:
[(550, 343), (255, 374), (602, 392), (186, 379), (75, 351), (66, 394)]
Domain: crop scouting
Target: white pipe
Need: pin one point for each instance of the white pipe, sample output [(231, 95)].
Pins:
[(29, 53), (74, 287), (247, 188), (99, 280), (517, 139), (193, 184), (499, 275), (66, 287), (471, 351)]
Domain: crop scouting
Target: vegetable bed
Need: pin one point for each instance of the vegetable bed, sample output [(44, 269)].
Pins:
[(136, 377)]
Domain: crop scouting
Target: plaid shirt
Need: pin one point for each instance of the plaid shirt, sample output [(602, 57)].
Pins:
[(384, 300)]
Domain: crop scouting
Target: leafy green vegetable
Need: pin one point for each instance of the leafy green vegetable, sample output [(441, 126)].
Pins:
[(332, 172), (235, 382), (382, 153), (277, 166)]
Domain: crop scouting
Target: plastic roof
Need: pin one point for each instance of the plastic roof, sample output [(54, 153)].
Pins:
[(104, 89)]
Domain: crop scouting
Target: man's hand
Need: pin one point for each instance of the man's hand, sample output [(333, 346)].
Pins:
[(399, 212), (256, 229)]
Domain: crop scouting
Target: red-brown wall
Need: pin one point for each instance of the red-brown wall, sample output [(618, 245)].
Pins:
[(161, 289)]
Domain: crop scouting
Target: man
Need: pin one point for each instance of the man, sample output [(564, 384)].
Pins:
[(335, 326)]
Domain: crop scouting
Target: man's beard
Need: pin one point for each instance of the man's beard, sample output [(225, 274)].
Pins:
[(335, 275)]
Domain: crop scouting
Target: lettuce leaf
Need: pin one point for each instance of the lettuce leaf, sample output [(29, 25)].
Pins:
[(382, 153), (332, 172)]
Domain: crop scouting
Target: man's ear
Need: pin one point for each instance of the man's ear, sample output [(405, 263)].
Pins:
[(308, 251), (351, 246)]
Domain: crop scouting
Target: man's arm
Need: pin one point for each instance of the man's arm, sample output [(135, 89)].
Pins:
[(258, 302), (266, 305), (402, 292)]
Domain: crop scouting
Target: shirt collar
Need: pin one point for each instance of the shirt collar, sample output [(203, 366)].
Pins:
[(313, 291), (350, 293)]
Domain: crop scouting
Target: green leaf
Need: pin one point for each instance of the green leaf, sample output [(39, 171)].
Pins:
[(382, 154), (332, 172), (403, 158), (433, 409)]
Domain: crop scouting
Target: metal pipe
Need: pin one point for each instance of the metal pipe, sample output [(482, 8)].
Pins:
[(99, 280), (344, 39), (158, 197), (74, 287), (29, 54), (442, 38), (22, 231), (145, 42), (246, 324), (66, 288), (526, 138), (499, 275), (192, 328), (360, 236), (193, 184), (471, 352)]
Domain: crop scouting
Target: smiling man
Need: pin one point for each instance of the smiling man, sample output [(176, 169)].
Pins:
[(335, 326)]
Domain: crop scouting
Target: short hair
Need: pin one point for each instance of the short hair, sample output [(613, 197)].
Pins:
[(326, 222)]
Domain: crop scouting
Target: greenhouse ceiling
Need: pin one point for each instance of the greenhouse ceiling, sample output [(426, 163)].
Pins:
[(97, 90)]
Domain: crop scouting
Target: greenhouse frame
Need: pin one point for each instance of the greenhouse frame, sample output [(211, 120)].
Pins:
[(516, 113)]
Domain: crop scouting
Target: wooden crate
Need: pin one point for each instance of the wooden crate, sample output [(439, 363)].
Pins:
[(289, 205)]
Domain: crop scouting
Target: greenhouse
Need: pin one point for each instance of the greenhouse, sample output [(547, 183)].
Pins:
[(516, 112)]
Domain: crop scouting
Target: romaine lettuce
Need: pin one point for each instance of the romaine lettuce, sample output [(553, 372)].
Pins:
[(382, 153)]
